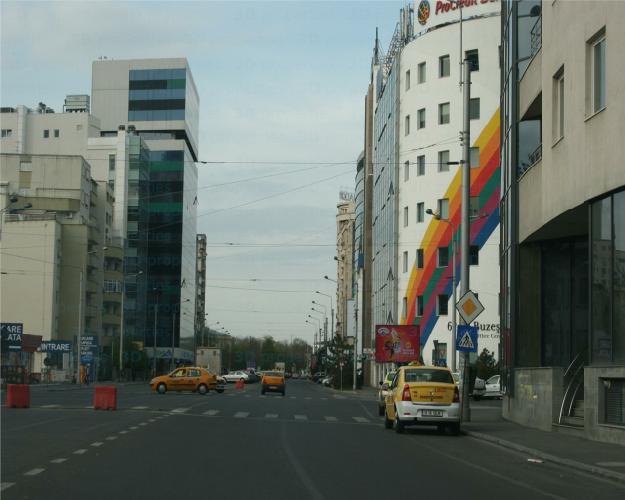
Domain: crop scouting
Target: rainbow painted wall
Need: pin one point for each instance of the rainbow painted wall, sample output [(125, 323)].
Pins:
[(432, 281)]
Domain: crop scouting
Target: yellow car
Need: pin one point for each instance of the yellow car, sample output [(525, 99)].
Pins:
[(189, 378), (273, 381), (423, 395)]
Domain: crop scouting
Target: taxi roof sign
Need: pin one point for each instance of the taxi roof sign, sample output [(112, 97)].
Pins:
[(469, 307)]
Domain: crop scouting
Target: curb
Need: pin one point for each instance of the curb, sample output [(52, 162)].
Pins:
[(573, 464)]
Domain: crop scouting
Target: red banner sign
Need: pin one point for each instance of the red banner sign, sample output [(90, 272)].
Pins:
[(396, 343)]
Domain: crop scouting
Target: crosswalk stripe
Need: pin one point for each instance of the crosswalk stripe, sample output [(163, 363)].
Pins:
[(241, 414), (5, 486), (179, 410), (324, 399), (139, 407), (97, 443), (300, 417), (330, 419), (33, 472), (293, 397), (211, 413), (58, 460), (271, 415), (307, 397), (111, 438), (361, 420), (80, 452), (51, 406)]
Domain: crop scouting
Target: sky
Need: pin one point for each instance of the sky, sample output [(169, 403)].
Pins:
[(281, 88)]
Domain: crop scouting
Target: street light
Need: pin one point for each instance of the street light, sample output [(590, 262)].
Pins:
[(331, 319), (330, 279)]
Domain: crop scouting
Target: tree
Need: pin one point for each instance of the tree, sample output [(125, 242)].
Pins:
[(486, 365)]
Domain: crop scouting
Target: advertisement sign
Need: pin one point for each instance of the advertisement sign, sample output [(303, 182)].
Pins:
[(89, 347), (55, 346), (11, 336), (397, 343), (429, 13)]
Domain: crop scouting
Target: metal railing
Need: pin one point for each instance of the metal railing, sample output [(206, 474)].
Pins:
[(573, 383), (533, 158)]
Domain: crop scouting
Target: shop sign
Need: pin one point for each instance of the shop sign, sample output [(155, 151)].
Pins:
[(55, 346), (11, 336)]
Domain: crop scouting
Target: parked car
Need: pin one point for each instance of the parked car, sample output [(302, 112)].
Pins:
[(190, 378), (273, 381), (423, 395), (236, 376), (295, 375), (383, 392), (318, 376), (252, 376), (327, 381), (490, 388)]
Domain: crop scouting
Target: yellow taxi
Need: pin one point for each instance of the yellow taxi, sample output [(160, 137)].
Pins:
[(423, 395), (189, 378), (273, 381)]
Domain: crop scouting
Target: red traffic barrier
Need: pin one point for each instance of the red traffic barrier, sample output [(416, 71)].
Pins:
[(239, 384), (18, 396), (105, 398)]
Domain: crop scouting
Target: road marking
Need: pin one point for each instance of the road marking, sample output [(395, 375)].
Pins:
[(241, 414), (97, 443), (330, 419), (151, 420), (211, 413), (139, 407), (33, 472), (610, 464), (143, 423), (5, 486), (307, 397), (179, 410), (111, 438), (336, 396), (361, 420), (247, 396), (134, 428), (80, 452), (300, 417), (90, 407), (231, 394), (51, 406), (123, 432), (271, 415), (58, 460), (293, 397)]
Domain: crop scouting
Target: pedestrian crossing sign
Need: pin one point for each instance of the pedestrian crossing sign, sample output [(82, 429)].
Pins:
[(466, 339)]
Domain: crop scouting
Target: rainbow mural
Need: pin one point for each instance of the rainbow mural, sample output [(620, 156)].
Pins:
[(432, 281)]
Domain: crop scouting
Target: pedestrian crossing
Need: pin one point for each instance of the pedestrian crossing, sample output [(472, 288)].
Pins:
[(298, 417)]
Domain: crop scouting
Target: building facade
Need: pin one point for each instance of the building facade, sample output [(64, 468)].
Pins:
[(158, 97), (344, 267), (200, 285), (563, 216)]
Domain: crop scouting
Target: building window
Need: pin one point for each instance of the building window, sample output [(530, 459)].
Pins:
[(474, 59), (474, 108), (56, 132), (474, 255), (420, 212), (442, 305), (405, 262), (558, 105), (111, 163), (443, 113), (443, 66), (419, 305), (406, 171), (404, 307), (596, 50), (420, 258), (442, 257), (7, 132), (405, 216), (443, 208), (407, 80), (46, 134), (421, 73), (474, 207), (407, 125), (421, 118), (474, 157), (443, 161), (421, 165)]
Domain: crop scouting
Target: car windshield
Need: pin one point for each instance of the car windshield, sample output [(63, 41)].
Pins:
[(428, 375)]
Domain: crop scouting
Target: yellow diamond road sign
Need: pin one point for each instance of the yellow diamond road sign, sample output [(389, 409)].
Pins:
[(469, 307)]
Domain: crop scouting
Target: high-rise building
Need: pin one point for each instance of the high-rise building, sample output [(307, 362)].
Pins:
[(200, 285), (563, 216), (344, 266), (158, 97)]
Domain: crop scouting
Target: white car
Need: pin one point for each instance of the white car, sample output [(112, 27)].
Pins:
[(236, 376), (490, 388)]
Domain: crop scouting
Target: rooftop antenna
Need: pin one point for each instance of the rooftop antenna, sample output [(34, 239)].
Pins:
[(376, 50)]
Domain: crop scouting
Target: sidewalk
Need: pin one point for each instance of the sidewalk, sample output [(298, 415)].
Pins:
[(594, 457)]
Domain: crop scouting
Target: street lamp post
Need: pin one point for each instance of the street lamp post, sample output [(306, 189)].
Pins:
[(331, 319), (155, 323)]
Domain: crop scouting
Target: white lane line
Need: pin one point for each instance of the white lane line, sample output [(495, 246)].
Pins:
[(58, 460), (361, 420), (241, 414), (330, 419), (111, 438), (80, 452), (5, 486), (151, 420), (211, 413), (33, 472), (179, 410), (300, 417), (143, 423), (271, 415), (97, 443), (123, 432), (139, 407), (336, 396), (50, 406), (90, 407), (134, 428)]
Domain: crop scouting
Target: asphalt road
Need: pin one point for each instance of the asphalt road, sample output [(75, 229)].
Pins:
[(314, 443)]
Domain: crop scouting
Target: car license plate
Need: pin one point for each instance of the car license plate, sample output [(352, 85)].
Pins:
[(272, 387), (432, 413)]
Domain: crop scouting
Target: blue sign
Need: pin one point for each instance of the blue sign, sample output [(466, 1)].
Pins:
[(466, 338), (11, 336), (89, 348), (55, 346)]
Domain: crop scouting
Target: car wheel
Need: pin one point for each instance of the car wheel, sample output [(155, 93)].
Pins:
[(381, 410), (161, 388), (454, 428), (202, 389), (398, 424), (220, 391), (388, 423)]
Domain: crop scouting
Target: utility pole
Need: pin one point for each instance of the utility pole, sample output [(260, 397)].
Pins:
[(355, 385), (465, 225), (173, 336), (80, 324)]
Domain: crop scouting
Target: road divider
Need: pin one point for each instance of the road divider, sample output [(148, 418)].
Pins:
[(105, 398), (18, 396)]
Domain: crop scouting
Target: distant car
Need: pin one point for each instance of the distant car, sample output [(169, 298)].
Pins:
[(252, 376), (273, 382), (383, 392), (236, 376), (288, 374), (327, 381), (423, 395), (490, 388), (317, 377), (189, 378), (295, 375)]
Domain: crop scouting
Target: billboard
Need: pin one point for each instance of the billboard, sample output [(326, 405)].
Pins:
[(431, 13), (396, 343)]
